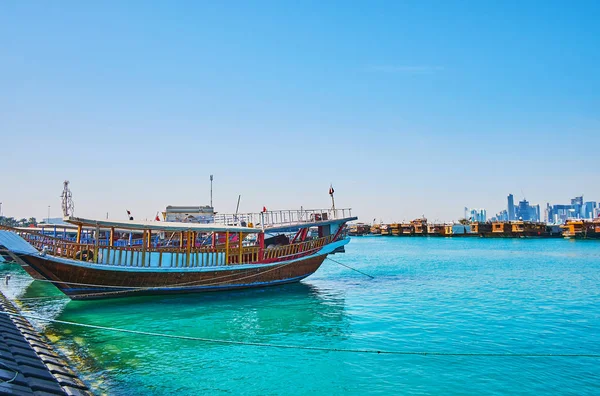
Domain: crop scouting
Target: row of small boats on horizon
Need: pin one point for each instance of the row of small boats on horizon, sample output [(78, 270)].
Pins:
[(573, 228)]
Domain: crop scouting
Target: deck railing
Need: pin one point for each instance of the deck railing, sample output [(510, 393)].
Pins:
[(169, 257), (272, 218)]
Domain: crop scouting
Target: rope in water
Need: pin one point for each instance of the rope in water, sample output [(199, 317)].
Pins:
[(303, 347), (60, 297), (347, 266)]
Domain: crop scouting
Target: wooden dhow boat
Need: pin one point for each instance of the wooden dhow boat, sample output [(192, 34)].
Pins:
[(108, 258)]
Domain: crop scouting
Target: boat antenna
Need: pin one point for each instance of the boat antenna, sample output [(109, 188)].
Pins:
[(237, 207), (68, 207), (211, 182)]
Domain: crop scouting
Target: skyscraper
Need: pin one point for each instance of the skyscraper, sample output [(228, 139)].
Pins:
[(577, 210), (527, 212), (577, 204), (588, 209), (479, 215), (537, 216), (511, 207)]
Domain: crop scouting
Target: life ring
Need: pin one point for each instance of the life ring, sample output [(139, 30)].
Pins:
[(84, 255)]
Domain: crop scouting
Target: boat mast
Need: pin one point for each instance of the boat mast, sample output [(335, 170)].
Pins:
[(211, 181), (331, 191), (68, 207)]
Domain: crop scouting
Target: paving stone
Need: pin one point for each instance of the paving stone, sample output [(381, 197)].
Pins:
[(76, 391), (70, 381), (14, 337), (40, 345), (11, 342), (32, 372), (53, 360), (54, 369), (40, 370), (8, 375), (45, 351), (27, 352), (16, 390), (30, 333), (29, 337), (4, 351), (8, 362), (47, 386), (25, 361)]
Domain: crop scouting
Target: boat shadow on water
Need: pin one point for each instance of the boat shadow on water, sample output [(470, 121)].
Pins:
[(261, 312), (271, 315)]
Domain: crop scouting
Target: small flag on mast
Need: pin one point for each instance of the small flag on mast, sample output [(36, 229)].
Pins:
[(129, 215), (331, 189)]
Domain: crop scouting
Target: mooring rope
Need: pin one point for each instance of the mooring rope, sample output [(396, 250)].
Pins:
[(347, 266), (61, 297), (308, 348), (191, 283), (9, 369), (199, 282)]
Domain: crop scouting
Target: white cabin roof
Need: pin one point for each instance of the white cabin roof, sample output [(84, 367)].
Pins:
[(158, 225)]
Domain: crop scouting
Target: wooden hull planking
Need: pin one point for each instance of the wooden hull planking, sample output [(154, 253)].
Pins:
[(80, 283)]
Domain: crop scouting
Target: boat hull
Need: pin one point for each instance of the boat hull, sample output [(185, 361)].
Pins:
[(87, 282)]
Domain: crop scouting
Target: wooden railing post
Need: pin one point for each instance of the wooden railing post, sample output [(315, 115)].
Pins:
[(261, 246), (241, 247), (188, 248), (143, 249), (97, 242), (226, 247)]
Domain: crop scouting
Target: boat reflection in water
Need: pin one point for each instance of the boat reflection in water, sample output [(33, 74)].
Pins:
[(295, 314)]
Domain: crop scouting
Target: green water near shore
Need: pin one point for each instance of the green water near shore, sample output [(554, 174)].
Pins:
[(437, 295)]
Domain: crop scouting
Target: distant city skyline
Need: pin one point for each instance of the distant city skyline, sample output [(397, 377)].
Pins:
[(524, 210), (398, 104), (553, 213)]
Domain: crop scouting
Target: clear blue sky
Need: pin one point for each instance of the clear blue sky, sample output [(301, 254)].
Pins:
[(408, 107)]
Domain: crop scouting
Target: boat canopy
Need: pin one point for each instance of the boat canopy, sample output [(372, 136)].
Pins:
[(158, 225)]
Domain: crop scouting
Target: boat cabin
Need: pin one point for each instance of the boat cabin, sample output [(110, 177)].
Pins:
[(436, 229), (501, 228), (483, 229), (407, 229), (528, 228), (420, 226)]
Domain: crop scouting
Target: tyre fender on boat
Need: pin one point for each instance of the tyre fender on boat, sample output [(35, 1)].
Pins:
[(84, 255)]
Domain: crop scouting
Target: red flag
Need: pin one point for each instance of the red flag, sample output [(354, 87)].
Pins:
[(330, 189), (157, 218), (264, 208)]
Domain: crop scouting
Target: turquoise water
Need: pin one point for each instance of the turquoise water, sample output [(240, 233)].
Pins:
[(436, 295)]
